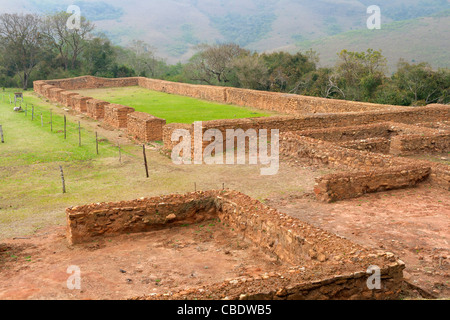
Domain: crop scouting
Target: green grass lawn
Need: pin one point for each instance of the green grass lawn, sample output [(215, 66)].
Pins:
[(173, 108), (30, 185)]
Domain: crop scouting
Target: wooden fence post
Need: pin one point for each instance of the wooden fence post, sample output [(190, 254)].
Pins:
[(96, 141), (79, 133), (145, 161), (1, 133), (62, 179)]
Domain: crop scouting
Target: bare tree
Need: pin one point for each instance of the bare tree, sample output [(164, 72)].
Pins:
[(20, 43)]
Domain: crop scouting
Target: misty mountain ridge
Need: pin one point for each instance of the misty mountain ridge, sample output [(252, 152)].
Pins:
[(416, 30)]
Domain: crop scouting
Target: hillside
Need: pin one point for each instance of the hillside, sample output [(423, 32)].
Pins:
[(424, 39), (174, 27)]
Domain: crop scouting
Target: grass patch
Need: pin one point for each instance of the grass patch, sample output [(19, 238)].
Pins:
[(173, 108)]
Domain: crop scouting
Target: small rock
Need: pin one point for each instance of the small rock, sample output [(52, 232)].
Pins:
[(171, 217)]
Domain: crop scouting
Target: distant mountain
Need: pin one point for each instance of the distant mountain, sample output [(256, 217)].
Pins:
[(422, 39), (174, 27)]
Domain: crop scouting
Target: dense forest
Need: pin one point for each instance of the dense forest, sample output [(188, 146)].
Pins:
[(34, 47)]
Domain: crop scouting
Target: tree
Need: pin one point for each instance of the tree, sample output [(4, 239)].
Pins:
[(323, 82), (68, 43), (142, 58), (287, 70), (99, 57), (21, 43), (213, 64), (251, 72), (421, 83), (361, 73)]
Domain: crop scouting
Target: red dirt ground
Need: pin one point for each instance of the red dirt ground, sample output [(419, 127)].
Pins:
[(129, 265), (412, 223)]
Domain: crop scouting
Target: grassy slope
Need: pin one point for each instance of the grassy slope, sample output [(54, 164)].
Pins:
[(424, 39), (173, 108)]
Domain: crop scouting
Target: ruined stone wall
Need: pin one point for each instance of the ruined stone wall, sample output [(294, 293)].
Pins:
[(420, 144), (96, 108), (352, 125), (273, 101), (145, 127), (54, 94), (211, 93), (342, 186), (440, 176), (116, 115), (79, 103), (366, 171), (336, 267), (88, 222), (297, 104), (284, 286), (90, 82), (294, 146), (66, 98), (344, 112), (377, 145), (329, 121)]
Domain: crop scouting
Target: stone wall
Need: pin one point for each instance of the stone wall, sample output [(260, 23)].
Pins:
[(365, 171), (66, 98), (333, 267), (211, 93), (96, 108), (79, 103), (342, 186), (329, 121), (145, 127), (420, 144), (440, 176), (378, 145), (116, 115), (273, 101), (344, 113), (90, 82), (86, 223), (363, 132)]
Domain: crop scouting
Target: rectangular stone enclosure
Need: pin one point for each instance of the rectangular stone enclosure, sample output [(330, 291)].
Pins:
[(314, 264)]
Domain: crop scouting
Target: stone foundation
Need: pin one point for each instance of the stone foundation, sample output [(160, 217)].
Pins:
[(355, 136), (333, 268)]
